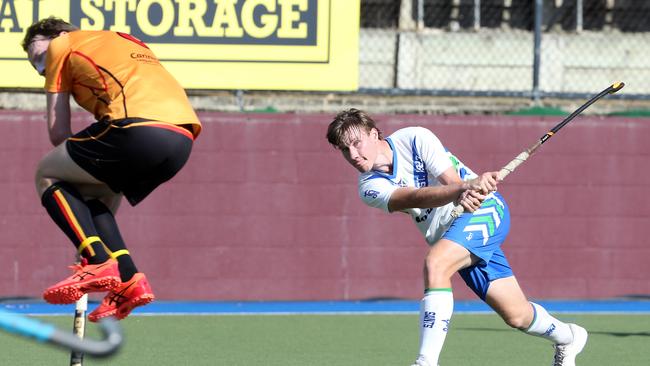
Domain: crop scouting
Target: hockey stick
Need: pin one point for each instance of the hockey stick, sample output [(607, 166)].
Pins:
[(44, 332), (512, 165), (79, 325)]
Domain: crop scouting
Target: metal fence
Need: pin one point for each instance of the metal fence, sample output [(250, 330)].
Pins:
[(531, 48)]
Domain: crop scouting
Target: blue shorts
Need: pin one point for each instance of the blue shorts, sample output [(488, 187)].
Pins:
[(482, 233)]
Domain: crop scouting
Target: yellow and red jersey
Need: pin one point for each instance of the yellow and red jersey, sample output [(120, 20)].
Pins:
[(114, 76)]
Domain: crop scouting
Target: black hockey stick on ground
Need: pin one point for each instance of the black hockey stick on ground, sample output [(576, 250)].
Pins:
[(512, 165), (44, 332)]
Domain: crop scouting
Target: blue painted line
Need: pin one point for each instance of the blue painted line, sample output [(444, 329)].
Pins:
[(332, 307)]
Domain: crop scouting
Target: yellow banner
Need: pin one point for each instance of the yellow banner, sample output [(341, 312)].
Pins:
[(210, 44)]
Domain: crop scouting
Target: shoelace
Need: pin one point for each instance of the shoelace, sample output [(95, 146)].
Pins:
[(420, 362), (79, 266), (559, 356), (76, 267)]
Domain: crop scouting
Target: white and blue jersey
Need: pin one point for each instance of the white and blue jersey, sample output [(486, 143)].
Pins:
[(418, 159)]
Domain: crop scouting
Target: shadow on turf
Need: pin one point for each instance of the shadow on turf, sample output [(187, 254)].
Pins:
[(624, 334), (614, 334)]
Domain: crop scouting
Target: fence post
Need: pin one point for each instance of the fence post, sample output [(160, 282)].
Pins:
[(579, 16), (477, 15), (405, 21), (454, 24), (537, 49), (609, 14), (420, 15)]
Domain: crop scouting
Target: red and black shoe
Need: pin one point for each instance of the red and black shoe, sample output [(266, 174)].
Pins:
[(86, 278), (120, 301)]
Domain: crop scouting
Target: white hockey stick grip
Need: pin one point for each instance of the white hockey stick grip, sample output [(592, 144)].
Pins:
[(513, 164), (82, 303)]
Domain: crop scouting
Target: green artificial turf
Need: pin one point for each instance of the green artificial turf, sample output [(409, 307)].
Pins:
[(320, 340)]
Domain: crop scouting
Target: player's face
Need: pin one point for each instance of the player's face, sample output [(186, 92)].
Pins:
[(360, 148), (36, 53)]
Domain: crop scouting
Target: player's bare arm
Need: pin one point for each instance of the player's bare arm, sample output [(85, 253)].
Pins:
[(469, 194), (426, 197), (58, 117)]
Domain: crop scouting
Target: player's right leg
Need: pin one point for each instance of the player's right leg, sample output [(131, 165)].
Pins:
[(506, 297), (134, 290), (443, 260), (120, 301), (474, 238), (109, 231), (57, 179)]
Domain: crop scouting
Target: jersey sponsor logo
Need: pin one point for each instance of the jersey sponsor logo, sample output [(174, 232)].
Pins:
[(142, 57), (371, 193), (420, 176)]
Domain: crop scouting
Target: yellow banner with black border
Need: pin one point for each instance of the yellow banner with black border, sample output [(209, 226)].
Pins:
[(209, 44)]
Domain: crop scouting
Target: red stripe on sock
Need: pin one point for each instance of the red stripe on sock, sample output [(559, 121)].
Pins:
[(69, 215)]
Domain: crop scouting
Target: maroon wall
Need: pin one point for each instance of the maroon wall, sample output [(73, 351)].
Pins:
[(266, 210)]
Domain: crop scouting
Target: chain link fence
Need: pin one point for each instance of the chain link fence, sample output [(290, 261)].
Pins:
[(531, 48)]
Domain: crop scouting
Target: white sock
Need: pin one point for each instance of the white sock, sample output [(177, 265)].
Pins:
[(546, 326), (435, 313)]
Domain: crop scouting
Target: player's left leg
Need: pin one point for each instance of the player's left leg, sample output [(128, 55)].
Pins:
[(506, 297), (58, 179)]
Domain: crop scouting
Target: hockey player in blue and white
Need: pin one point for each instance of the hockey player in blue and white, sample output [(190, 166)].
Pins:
[(410, 171)]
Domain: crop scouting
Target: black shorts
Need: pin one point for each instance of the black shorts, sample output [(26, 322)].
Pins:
[(132, 156)]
